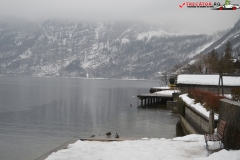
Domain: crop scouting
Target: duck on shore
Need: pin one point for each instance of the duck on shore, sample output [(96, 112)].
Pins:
[(108, 134), (116, 135)]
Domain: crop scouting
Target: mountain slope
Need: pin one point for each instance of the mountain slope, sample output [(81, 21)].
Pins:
[(108, 50), (233, 35)]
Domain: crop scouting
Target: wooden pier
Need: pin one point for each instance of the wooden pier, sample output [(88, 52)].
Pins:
[(153, 98)]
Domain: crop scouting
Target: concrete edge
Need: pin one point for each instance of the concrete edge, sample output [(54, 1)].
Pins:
[(102, 140), (64, 146), (187, 126)]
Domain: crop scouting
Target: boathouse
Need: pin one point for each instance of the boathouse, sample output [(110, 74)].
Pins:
[(207, 82)]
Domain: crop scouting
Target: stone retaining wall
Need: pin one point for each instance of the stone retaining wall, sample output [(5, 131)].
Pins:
[(230, 112), (197, 120)]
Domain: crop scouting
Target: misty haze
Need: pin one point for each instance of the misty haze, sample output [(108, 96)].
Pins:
[(73, 69)]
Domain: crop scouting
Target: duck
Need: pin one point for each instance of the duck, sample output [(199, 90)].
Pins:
[(116, 135), (92, 136), (108, 134)]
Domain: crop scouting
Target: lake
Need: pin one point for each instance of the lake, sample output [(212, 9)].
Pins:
[(40, 114)]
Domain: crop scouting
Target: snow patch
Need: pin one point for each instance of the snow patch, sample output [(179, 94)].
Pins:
[(236, 36), (25, 55), (151, 34), (227, 39), (125, 40), (198, 106), (192, 62)]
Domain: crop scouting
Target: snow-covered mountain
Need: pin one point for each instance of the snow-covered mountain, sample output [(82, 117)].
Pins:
[(108, 50), (232, 35)]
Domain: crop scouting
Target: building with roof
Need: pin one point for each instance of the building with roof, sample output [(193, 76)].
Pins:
[(207, 82)]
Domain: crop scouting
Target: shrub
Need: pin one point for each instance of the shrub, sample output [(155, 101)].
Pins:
[(181, 107), (207, 99)]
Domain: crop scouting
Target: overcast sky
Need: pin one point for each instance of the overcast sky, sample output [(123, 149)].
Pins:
[(192, 20)]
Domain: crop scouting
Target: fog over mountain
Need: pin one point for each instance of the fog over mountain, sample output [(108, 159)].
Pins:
[(101, 50), (107, 38), (184, 20)]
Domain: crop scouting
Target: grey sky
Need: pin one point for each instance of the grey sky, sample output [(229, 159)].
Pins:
[(192, 20)]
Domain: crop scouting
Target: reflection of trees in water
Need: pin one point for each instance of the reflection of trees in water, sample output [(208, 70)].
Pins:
[(179, 130)]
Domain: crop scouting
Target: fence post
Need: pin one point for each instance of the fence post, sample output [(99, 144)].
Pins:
[(211, 122)]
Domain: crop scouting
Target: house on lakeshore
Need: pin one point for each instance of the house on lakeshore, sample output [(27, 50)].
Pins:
[(206, 82)]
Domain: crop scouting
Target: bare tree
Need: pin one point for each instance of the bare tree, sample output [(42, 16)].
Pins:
[(200, 64), (164, 78)]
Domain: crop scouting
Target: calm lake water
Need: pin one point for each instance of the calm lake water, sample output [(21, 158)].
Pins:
[(40, 114)]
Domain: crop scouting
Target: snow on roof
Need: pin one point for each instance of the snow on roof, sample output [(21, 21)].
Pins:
[(164, 87), (207, 80), (187, 147), (166, 93)]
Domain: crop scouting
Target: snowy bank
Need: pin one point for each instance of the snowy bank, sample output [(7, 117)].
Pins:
[(188, 147), (191, 102)]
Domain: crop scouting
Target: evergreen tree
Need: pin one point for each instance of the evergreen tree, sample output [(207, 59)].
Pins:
[(212, 62), (228, 51), (226, 62)]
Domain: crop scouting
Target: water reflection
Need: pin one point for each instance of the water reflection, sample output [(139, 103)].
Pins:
[(179, 130), (40, 113), (154, 106)]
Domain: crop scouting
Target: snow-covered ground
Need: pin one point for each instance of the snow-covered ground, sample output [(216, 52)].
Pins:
[(180, 148)]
